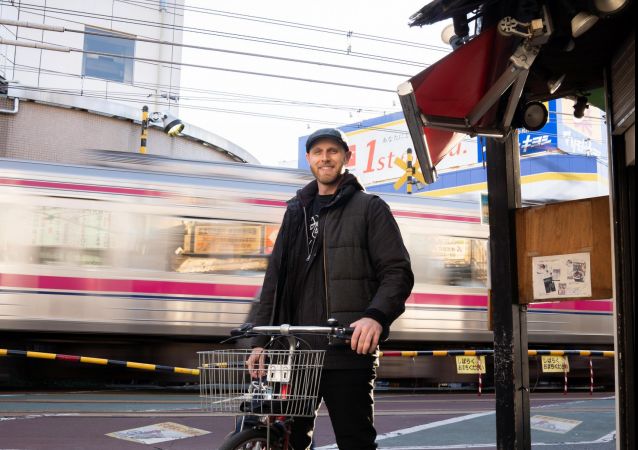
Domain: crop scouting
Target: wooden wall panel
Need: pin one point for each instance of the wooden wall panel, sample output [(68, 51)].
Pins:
[(579, 226)]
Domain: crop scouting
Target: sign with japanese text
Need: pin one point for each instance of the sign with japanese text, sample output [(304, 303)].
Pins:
[(377, 143), (227, 239), (585, 136), (545, 139), (470, 364), (555, 364)]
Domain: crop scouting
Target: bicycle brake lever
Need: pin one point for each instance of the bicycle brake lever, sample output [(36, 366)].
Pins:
[(242, 330), (345, 332)]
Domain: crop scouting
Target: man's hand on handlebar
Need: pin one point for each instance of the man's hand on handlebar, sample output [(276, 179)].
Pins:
[(256, 363), (365, 337)]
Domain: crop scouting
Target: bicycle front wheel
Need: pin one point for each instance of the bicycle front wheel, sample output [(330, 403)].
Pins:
[(251, 439)]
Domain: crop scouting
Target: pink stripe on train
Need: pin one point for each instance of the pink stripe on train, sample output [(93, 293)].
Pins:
[(470, 301), (127, 286), (20, 281), (396, 213), (434, 216), (83, 187), (480, 301)]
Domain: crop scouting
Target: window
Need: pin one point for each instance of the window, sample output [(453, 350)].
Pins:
[(222, 246), (450, 260), (76, 235), (108, 67), (65, 236)]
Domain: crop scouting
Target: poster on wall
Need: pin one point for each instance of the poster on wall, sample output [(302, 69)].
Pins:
[(561, 276)]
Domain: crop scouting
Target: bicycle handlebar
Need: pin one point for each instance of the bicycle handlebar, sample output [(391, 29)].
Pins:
[(336, 331)]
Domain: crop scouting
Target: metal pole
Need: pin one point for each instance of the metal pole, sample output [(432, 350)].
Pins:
[(144, 137), (410, 172), (511, 366), (565, 374), (622, 177)]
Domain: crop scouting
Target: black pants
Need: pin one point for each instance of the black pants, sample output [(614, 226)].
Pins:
[(349, 398)]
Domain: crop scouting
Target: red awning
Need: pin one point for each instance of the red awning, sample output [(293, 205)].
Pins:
[(450, 89)]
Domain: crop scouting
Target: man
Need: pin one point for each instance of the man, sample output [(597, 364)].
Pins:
[(339, 254)]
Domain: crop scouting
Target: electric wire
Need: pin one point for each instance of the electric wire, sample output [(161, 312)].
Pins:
[(356, 125), (131, 96), (224, 69), (290, 24), (139, 38), (142, 98), (255, 114), (233, 95), (292, 102), (50, 11)]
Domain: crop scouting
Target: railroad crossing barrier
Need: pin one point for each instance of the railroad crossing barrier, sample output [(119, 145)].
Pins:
[(560, 362), (99, 361), (477, 354)]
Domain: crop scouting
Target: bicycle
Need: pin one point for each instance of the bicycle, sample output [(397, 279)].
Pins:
[(265, 407)]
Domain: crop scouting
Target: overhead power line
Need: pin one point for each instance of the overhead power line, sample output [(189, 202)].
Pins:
[(59, 48), (62, 29), (51, 11), (152, 89), (221, 110), (127, 98), (290, 24), (236, 97)]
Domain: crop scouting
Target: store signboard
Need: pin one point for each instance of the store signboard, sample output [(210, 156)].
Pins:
[(585, 136), (377, 143), (530, 142)]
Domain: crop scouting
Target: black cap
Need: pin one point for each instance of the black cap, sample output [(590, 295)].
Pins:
[(327, 133)]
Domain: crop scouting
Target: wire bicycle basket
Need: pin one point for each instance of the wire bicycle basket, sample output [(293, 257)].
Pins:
[(289, 387)]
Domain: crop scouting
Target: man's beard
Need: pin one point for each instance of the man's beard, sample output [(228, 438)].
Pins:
[(326, 179)]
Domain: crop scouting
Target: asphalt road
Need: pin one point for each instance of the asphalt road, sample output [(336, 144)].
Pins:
[(405, 421)]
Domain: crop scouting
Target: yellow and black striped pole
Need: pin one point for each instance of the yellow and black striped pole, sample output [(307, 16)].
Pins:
[(144, 129), (98, 361)]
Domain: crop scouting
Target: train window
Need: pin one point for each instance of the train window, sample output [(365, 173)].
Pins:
[(222, 246), (449, 260), (70, 236), (66, 236), (15, 234)]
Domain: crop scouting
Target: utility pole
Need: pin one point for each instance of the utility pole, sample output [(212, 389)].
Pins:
[(509, 318), (144, 137)]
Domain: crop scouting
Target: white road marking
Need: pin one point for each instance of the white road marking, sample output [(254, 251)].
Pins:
[(417, 428), (431, 425), (610, 437)]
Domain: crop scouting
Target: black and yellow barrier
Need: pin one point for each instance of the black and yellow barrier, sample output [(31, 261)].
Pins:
[(99, 361), (412, 354), (195, 372)]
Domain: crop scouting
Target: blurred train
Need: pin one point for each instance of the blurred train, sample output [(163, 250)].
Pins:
[(152, 249)]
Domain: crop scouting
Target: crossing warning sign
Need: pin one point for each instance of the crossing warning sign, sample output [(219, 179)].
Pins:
[(555, 364), (470, 364), (412, 173)]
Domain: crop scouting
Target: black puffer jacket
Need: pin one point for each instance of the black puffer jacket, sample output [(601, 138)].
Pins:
[(367, 267)]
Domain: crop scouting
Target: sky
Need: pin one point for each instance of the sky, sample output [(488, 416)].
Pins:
[(267, 115)]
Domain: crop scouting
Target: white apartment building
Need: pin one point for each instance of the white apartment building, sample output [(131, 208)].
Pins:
[(95, 63)]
